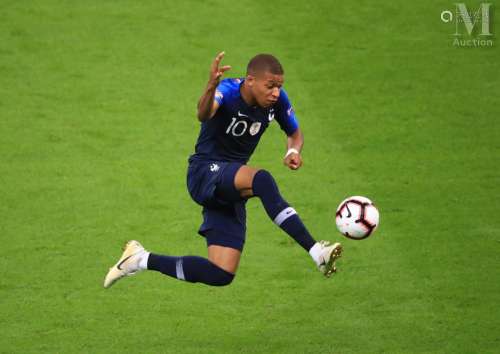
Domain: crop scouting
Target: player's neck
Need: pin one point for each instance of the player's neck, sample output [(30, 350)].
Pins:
[(247, 96)]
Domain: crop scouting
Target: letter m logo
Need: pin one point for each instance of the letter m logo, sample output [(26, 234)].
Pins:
[(470, 20)]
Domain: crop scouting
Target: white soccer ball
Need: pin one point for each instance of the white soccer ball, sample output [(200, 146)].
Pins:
[(357, 217)]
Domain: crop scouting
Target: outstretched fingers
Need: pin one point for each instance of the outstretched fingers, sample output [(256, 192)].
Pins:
[(215, 71), (217, 60)]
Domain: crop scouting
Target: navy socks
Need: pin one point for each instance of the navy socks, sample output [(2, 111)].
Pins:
[(264, 187), (200, 270), (190, 268)]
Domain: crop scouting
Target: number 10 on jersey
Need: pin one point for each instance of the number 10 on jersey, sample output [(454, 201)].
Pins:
[(237, 127)]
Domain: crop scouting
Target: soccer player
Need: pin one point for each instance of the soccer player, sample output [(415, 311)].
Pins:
[(234, 113)]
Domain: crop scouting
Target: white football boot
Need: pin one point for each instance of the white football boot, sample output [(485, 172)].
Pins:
[(328, 256), (128, 264)]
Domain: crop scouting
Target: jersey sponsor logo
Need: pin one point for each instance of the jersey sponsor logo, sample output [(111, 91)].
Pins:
[(241, 114), (289, 111), (214, 167), (254, 128)]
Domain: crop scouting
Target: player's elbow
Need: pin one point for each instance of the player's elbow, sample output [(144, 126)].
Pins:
[(297, 134), (296, 138)]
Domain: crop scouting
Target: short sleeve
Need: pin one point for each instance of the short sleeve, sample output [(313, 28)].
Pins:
[(285, 114), (224, 90)]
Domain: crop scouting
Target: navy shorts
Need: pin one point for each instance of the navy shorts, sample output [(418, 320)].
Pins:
[(211, 184)]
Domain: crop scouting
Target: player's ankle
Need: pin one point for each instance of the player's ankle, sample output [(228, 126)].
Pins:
[(315, 252), (143, 262)]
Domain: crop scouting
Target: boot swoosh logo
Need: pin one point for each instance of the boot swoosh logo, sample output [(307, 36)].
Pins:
[(119, 264)]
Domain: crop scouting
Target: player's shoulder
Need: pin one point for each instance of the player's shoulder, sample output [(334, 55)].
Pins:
[(228, 88), (283, 100), (285, 113), (229, 85), (231, 82)]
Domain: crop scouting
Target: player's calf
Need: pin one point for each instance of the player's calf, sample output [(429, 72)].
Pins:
[(189, 268), (193, 269), (279, 211), (264, 186)]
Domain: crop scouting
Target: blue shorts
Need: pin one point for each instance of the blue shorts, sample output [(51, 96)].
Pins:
[(211, 184)]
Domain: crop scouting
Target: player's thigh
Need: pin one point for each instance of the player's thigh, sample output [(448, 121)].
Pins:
[(226, 258), (243, 180)]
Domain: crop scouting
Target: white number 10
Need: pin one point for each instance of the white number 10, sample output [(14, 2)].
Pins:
[(233, 127)]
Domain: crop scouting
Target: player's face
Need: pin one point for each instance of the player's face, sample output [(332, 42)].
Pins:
[(265, 88)]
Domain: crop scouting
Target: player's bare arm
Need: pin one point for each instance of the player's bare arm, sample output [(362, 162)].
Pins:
[(295, 142), (207, 106)]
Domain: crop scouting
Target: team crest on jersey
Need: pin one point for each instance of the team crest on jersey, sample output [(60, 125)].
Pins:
[(254, 128)]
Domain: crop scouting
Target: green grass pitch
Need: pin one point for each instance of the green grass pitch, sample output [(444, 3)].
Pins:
[(97, 120)]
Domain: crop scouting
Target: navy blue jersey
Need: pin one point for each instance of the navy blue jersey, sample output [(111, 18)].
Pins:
[(233, 133)]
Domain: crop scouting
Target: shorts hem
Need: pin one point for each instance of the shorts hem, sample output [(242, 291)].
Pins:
[(219, 238)]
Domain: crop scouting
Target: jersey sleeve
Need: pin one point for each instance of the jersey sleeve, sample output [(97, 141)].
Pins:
[(285, 115), (223, 91)]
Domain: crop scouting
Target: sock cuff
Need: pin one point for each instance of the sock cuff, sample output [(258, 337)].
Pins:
[(221, 270), (222, 276), (315, 252), (143, 262), (260, 177)]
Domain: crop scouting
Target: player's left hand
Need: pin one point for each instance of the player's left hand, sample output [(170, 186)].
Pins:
[(293, 161)]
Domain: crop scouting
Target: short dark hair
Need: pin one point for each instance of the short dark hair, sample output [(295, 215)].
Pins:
[(263, 63)]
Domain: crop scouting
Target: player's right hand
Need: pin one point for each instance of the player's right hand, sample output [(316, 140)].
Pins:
[(215, 71)]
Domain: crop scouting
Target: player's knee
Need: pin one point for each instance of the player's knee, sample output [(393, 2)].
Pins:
[(264, 175), (262, 181), (223, 278)]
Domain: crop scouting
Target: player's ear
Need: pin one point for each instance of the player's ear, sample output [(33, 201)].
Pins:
[(250, 80)]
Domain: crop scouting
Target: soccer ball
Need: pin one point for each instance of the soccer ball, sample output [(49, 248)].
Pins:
[(357, 217)]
